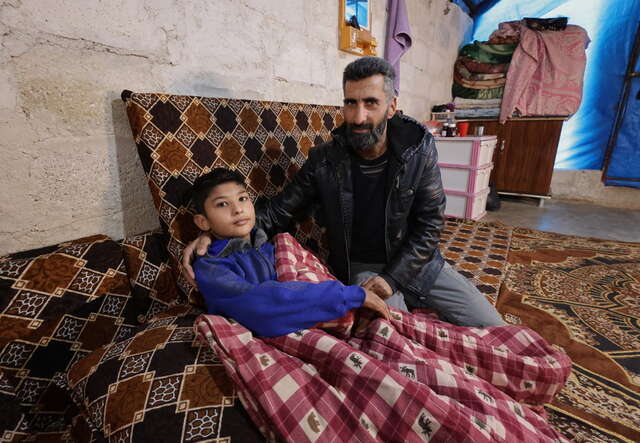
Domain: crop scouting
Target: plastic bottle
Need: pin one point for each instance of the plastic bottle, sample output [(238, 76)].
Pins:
[(450, 128)]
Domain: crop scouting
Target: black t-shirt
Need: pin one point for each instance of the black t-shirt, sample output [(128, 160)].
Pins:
[(369, 189)]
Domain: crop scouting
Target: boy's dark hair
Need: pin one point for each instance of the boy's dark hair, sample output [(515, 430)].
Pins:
[(365, 67), (204, 184)]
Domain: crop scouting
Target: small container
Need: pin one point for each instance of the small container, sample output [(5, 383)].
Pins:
[(479, 131), (463, 129), (451, 128), (434, 127)]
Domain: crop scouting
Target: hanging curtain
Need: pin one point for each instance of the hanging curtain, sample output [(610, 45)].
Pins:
[(398, 39)]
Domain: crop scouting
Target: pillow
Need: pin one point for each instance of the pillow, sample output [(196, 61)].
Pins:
[(181, 137), (47, 283), (153, 283), (57, 304), (160, 385), (11, 415)]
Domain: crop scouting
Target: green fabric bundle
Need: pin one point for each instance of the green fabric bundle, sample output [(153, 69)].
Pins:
[(488, 53), (488, 93), (481, 70)]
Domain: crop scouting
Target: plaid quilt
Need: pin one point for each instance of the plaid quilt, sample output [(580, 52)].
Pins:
[(413, 378)]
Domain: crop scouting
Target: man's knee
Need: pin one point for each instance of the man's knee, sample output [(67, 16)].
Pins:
[(460, 302), (488, 316)]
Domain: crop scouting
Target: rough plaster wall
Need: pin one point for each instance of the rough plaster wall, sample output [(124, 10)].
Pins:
[(70, 166), (438, 29), (586, 185)]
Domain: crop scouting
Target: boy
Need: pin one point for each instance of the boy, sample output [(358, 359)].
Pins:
[(237, 276)]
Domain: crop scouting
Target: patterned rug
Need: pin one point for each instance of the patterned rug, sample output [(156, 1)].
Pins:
[(584, 295), (478, 251)]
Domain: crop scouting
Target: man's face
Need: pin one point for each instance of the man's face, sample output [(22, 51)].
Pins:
[(229, 212), (366, 111)]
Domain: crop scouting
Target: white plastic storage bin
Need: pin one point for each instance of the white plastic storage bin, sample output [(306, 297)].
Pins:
[(466, 204), (468, 151), (465, 178)]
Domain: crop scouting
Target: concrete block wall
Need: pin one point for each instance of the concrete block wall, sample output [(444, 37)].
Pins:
[(70, 167), (586, 185)]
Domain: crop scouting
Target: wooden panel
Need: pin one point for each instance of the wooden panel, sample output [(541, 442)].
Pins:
[(526, 163), (491, 127)]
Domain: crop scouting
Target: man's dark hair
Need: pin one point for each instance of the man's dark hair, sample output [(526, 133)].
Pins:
[(365, 67), (204, 184)]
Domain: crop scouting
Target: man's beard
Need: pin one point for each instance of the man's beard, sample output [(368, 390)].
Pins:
[(367, 140)]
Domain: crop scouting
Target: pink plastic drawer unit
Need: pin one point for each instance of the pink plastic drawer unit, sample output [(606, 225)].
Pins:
[(465, 178), (467, 151), (466, 205)]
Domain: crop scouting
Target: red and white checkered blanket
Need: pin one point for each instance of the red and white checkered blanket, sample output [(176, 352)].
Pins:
[(363, 378)]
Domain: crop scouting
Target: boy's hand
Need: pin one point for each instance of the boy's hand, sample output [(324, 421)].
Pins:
[(378, 285), (376, 304), (198, 246)]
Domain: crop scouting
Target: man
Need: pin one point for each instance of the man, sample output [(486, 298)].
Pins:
[(380, 195)]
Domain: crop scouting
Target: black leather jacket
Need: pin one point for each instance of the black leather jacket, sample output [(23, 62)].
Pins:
[(414, 208)]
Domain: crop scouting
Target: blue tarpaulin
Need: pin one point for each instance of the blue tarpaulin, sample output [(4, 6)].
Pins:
[(623, 167), (611, 25)]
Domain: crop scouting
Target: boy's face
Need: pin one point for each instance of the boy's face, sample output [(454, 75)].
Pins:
[(228, 212)]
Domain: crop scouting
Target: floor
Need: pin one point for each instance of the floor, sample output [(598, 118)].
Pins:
[(569, 217)]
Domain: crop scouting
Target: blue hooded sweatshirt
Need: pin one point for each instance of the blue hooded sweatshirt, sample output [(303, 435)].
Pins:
[(237, 278)]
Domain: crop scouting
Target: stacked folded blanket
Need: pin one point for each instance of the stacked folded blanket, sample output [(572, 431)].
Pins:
[(477, 108), (481, 70), (536, 65), (480, 73)]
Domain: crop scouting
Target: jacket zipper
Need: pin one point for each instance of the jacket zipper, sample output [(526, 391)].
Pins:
[(267, 262), (344, 231), (386, 215)]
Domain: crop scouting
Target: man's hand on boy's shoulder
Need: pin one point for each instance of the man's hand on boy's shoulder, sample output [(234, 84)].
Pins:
[(198, 246)]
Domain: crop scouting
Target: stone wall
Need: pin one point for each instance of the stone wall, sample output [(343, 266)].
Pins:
[(69, 164)]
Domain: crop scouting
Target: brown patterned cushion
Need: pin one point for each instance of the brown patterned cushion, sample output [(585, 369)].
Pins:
[(81, 430), (153, 282), (181, 137), (11, 414), (57, 304), (160, 385)]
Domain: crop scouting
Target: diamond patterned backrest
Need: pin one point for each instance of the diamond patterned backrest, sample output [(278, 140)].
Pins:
[(181, 137)]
